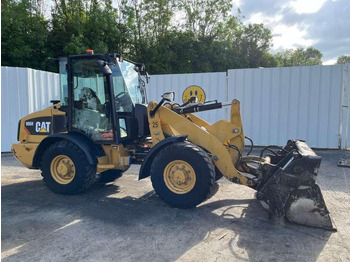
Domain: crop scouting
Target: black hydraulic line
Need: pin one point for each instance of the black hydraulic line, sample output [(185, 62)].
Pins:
[(197, 108), (251, 145), (273, 146), (191, 100), (239, 155), (152, 113)]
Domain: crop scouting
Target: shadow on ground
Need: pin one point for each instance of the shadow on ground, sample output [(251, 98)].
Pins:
[(104, 224)]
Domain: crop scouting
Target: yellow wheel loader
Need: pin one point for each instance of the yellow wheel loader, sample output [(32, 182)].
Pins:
[(102, 124)]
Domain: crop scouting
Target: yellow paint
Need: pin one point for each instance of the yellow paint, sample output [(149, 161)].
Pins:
[(43, 130), (62, 169), (193, 91), (198, 121), (47, 112), (214, 138), (117, 157), (155, 125), (24, 153), (179, 177)]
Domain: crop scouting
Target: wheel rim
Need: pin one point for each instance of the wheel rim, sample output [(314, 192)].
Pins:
[(179, 177), (62, 169)]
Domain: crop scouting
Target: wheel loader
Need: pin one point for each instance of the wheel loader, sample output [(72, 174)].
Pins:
[(103, 123)]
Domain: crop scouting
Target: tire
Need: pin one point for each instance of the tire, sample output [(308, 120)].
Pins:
[(177, 163), (81, 174), (109, 175)]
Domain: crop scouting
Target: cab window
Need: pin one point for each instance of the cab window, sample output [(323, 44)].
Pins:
[(90, 94)]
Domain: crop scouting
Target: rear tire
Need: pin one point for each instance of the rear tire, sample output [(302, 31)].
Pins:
[(183, 175), (66, 169)]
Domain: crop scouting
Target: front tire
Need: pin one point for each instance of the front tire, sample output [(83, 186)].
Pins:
[(66, 169), (183, 175)]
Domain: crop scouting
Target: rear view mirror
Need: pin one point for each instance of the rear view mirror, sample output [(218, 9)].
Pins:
[(142, 69), (147, 77), (169, 96), (104, 67)]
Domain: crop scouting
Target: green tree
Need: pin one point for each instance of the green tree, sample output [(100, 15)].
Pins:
[(343, 59), (101, 30), (174, 36), (144, 23), (299, 57), (67, 27), (77, 25), (251, 47), (211, 19), (24, 35)]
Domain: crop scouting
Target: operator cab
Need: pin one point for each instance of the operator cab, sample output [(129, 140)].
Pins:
[(104, 97)]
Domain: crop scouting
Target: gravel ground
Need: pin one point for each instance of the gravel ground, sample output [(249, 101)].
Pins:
[(126, 221)]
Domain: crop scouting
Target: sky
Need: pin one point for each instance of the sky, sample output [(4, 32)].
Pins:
[(323, 24)]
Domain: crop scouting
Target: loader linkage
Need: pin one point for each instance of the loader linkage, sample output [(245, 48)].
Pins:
[(286, 185)]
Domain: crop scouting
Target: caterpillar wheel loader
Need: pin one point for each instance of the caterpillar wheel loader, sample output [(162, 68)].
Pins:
[(102, 124)]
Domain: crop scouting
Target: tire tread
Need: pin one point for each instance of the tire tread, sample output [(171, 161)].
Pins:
[(196, 150), (89, 170)]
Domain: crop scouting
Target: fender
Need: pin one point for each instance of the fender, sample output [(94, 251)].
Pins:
[(83, 142), (146, 165)]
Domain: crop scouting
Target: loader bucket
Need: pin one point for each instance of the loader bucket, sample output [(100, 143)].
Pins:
[(288, 186)]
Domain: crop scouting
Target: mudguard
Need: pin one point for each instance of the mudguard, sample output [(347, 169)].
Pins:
[(80, 140), (146, 165)]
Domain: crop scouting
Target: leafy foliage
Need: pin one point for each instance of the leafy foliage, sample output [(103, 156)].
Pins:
[(23, 36), (343, 59), (300, 57), (169, 36)]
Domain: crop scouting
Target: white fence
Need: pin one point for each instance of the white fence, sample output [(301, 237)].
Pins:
[(309, 102), (293, 102), (23, 91)]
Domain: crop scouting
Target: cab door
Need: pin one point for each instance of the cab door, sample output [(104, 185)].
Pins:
[(91, 99)]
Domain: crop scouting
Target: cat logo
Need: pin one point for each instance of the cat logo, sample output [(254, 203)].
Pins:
[(42, 127)]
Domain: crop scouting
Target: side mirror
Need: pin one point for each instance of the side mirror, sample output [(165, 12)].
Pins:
[(104, 67), (147, 77), (169, 96)]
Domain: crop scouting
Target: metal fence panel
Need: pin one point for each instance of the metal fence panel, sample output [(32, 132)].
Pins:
[(308, 102), (292, 102), (345, 111), (23, 91)]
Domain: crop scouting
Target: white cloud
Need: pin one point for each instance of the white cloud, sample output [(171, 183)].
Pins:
[(286, 37), (237, 3), (330, 62), (258, 18), (323, 24), (307, 6)]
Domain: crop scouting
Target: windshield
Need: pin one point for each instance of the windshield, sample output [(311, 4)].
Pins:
[(126, 84), (131, 79)]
